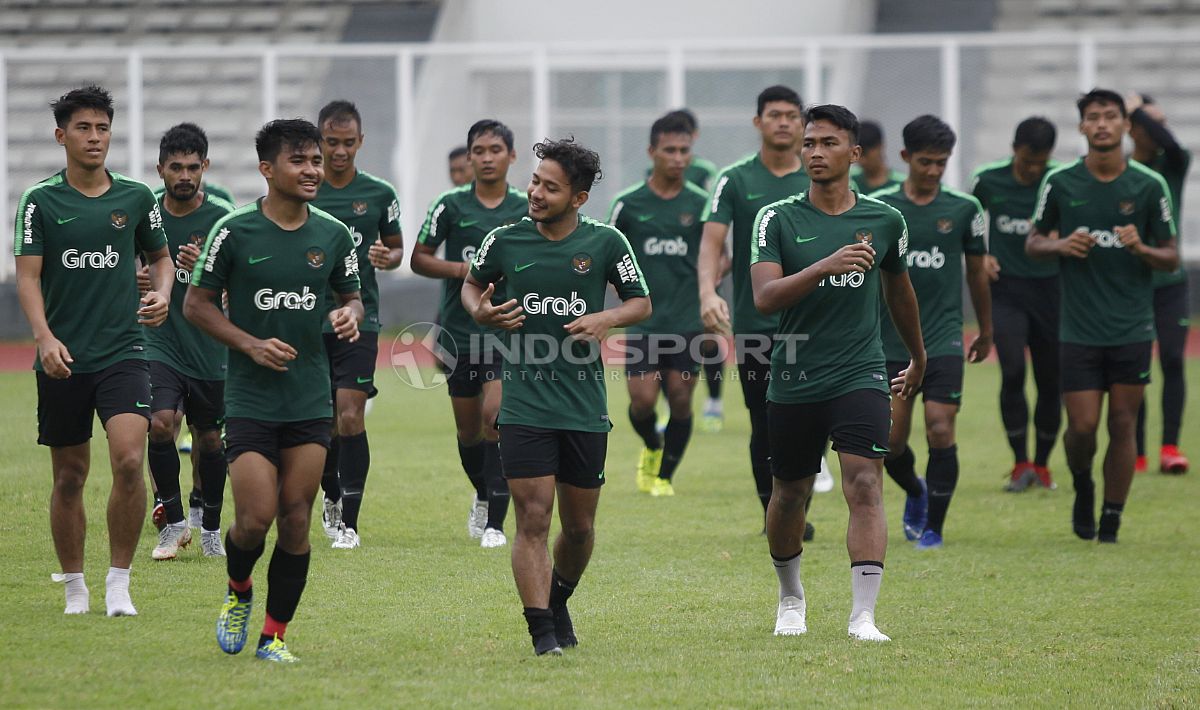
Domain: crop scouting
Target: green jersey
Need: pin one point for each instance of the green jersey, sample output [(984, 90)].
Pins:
[(1107, 297), (742, 190), (459, 220), (859, 183), (1175, 178), (940, 234), (89, 249), (550, 380), (828, 342), (177, 342), (666, 236), (277, 281), (700, 172), (369, 207), (1009, 205)]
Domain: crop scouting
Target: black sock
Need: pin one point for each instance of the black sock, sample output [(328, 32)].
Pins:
[(714, 375), (541, 629), (497, 486), (286, 577), (163, 458), (941, 475), (1110, 521), (760, 453), (472, 463), (902, 469), (240, 563), (1139, 432), (645, 428), (560, 591), (354, 460), (675, 441), (212, 477), (1083, 514), (1045, 444), (329, 478)]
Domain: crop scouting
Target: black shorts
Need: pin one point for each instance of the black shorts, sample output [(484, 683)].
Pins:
[(753, 355), (1025, 309), (244, 435), (646, 353), (575, 458), (1171, 308), (66, 407), (202, 400), (1094, 367), (352, 365), (943, 381), (467, 377), (858, 422)]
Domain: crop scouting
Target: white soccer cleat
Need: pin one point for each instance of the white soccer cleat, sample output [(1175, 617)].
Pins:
[(196, 517), (824, 482), (210, 543), (171, 538), (864, 629), (331, 518), (347, 539), (789, 618), (477, 518), (493, 538)]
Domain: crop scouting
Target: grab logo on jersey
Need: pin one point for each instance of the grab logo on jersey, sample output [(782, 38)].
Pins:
[(933, 259), (183, 276), (538, 305), (1106, 239), (1012, 225), (269, 300), (661, 246), (854, 279), (356, 236), (468, 254), (75, 259)]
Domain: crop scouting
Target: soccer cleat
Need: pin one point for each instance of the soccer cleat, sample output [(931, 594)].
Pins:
[(210, 543), (824, 480), (916, 513), (1083, 515), (789, 617), (930, 540), (863, 628), (477, 518), (564, 628), (347, 539), (195, 517), (275, 650), (158, 515), (1022, 476), (1044, 479), (331, 518), (231, 624), (171, 538), (1140, 465), (661, 488), (713, 419), (547, 645), (647, 469), (185, 443), (493, 538), (1172, 460)]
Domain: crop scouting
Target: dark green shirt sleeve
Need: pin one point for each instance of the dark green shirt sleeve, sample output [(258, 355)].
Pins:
[(765, 246), (389, 216), (720, 203), (624, 273), (973, 233), (895, 261), (343, 278), (216, 259), (150, 234), (437, 224), (486, 267), (27, 240), (1045, 216)]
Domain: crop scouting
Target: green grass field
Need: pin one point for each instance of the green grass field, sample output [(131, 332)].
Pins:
[(676, 609)]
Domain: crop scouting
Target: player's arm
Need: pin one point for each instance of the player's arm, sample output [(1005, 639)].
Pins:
[(387, 253), (56, 359), (625, 275), (202, 308), (480, 284), (1044, 240), (1150, 117), (906, 316), (714, 311), (981, 299), (426, 263), (157, 301), (346, 317)]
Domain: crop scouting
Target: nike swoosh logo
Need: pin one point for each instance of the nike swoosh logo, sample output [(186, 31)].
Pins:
[(143, 406), (878, 450), (1076, 203), (467, 222), (998, 200), (801, 240), (363, 380), (1143, 375), (257, 259), (872, 574), (68, 219), (521, 267), (645, 217), (955, 395), (755, 195)]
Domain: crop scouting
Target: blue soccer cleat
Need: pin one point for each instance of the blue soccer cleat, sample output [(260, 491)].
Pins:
[(231, 624), (916, 513), (929, 541)]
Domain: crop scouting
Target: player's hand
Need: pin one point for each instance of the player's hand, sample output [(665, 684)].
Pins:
[(1133, 101), (143, 280), (909, 380), (345, 323), (592, 327), (55, 358), (154, 309), (980, 348), (714, 311), (1130, 239), (272, 353), (991, 267), (507, 315), (852, 258), (1077, 244), (380, 255), (188, 254)]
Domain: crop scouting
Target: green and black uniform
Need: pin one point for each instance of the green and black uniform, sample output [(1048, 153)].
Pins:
[(700, 172), (827, 367), (89, 248), (859, 183)]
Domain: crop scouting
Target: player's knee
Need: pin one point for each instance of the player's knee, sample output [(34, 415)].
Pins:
[(468, 434), (162, 427), (350, 421), (1172, 364), (862, 488), (252, 528), (578, 533), (940, 434), (792, 494), (69, 478), (127, 464), (207, 442), (1121, 422)]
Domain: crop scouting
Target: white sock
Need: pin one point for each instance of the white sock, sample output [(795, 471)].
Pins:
[(116, 596), (865, 578), (788, 571), (76, 592)]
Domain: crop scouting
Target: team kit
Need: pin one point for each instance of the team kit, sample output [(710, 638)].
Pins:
[(258, 327)]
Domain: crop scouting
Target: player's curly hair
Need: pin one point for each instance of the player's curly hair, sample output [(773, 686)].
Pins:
[(295, 133), (85, 97), (183, 139), (581, 164)]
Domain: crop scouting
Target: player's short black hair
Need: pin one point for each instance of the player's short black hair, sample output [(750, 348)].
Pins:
[(457, 151), (339, 111), (929, 133), (673, 122), (687, 115), (1035, 133), (870, 134), (294, 133), (91, 96), (839, 116), (1100, 96), (183, 139), (581, 164), (490, 125), (778, 92)]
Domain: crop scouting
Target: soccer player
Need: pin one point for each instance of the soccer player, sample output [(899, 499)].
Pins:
[(276, 257), (1155, 147), (77, 234), (660, 217), (459, 162), (814, 261), (553, 419), (460, 219), (187, 368), (699, 171), (369, 207), (872, 173), (741, 190), (1025, 299), (944, 226), (1108, 220)]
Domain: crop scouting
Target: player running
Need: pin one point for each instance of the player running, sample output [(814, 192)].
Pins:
[(1025, 297), (553, 419), (276, 257), (944, 226), (660, 218), (76, 239), (369, 207), (1108, 219), (813, 261), (871, 173), (461, 218), (458, 162)]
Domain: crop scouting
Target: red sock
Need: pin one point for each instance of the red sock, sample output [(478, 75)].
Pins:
[(243, 586), (272, 627)]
